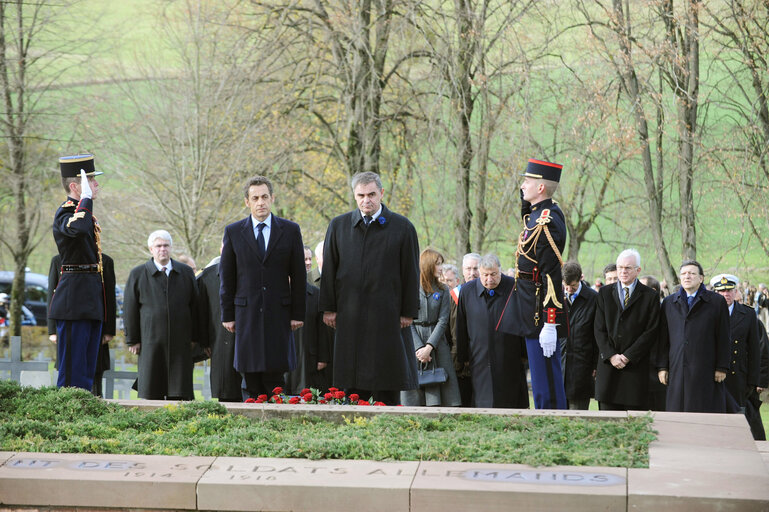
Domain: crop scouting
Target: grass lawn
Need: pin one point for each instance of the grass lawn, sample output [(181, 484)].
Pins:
[(72, 421)]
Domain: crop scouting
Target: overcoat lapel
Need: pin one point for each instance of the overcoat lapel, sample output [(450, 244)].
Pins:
[(247, 230)]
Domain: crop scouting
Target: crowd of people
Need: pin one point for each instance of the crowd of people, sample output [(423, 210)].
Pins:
[(376, 317)]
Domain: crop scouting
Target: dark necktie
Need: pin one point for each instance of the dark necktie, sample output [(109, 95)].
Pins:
[(260, 246), (164, 271), (367, 219), (690, 301), (627, 297)]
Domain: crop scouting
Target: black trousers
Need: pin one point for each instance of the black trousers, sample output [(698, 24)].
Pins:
[(260, 383)]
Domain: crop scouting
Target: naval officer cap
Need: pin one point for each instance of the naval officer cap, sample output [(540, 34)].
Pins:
[(724, 282), (71, 165), (543, 170)]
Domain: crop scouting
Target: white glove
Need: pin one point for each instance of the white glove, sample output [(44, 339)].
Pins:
[(85, 188), (548, 339)]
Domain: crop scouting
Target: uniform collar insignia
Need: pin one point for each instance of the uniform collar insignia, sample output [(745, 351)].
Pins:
[(69, 203)]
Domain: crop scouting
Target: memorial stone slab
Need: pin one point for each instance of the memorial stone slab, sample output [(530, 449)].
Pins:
[(86, 480), (461, 486), (303, 485), (4, 456), (696, 491)]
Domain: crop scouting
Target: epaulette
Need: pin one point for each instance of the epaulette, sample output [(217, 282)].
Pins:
[(69, 203), (544, 217)]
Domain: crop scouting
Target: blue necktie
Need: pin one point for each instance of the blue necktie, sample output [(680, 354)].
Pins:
[(260, 247), (690, 301), (367, 219)]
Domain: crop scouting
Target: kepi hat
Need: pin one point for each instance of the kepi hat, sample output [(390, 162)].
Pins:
[(724, 282), (70, 166), (543, 170)]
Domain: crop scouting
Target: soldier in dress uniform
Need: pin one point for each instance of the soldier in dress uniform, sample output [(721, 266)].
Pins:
[(77, 305), (743, 376), (535, 307)]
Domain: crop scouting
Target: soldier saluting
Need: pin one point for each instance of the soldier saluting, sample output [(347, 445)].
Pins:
[(535, 306), (77, 304)]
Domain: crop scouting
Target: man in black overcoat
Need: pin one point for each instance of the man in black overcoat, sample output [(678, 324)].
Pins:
[(627, 317), (225, 380), (495, 359), (754, 398), (578, 350), (694, 345), (369, 293), (77, 307), (262, 290), (160, 313), (742, 378), (535, 309), (110, 310)]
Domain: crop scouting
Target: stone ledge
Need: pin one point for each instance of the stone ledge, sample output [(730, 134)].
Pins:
[(701, 462)]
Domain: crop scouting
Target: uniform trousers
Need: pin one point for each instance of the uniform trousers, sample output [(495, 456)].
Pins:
[(546, 377), (77, 344)]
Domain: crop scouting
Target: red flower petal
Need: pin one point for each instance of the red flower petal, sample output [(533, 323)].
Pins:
[(263, 398), (250, 400), (328, 396), (277, 391), (354, 397), (304, 391), (333, 390), (363, 402), (339, 395)]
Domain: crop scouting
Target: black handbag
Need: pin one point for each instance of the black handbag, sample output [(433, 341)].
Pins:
[(430, 375)]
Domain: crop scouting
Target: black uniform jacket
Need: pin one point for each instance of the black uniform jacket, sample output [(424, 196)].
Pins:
[(744, 353), (79, 295), (538, 274)]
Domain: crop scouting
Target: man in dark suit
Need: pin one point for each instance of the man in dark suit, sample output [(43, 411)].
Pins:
[(262, 290), (743, 377), (694, 345), (369, 293), (110, 309), (626, 327), (495, 359), (535, 306), (77, 307), (578, 349)]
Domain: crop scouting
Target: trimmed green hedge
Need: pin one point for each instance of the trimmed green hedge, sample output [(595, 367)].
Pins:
[(73, 421)]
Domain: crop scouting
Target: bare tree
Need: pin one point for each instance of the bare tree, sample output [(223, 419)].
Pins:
[(199, 126), (740, 36), (484, 56), (638, 64), (35, 51)]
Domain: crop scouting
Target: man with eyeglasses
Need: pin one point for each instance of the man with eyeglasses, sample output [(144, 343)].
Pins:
[(626, 328), (694, 345)]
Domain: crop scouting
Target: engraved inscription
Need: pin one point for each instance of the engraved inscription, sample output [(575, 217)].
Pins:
[(545, 477)]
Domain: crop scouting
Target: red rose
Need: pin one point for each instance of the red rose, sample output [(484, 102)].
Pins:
[(354, 397), (379, 403), (250, 400), (322, 401), (307, 397), (263, 398), (328, 396), (293, 400), (277, 391), (260, 401), (333, 389), (277, 400), (304, 391), (363, 402), (339, 395)]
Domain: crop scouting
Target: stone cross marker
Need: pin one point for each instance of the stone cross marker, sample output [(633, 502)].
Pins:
[(15, 365), (111, 375)]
